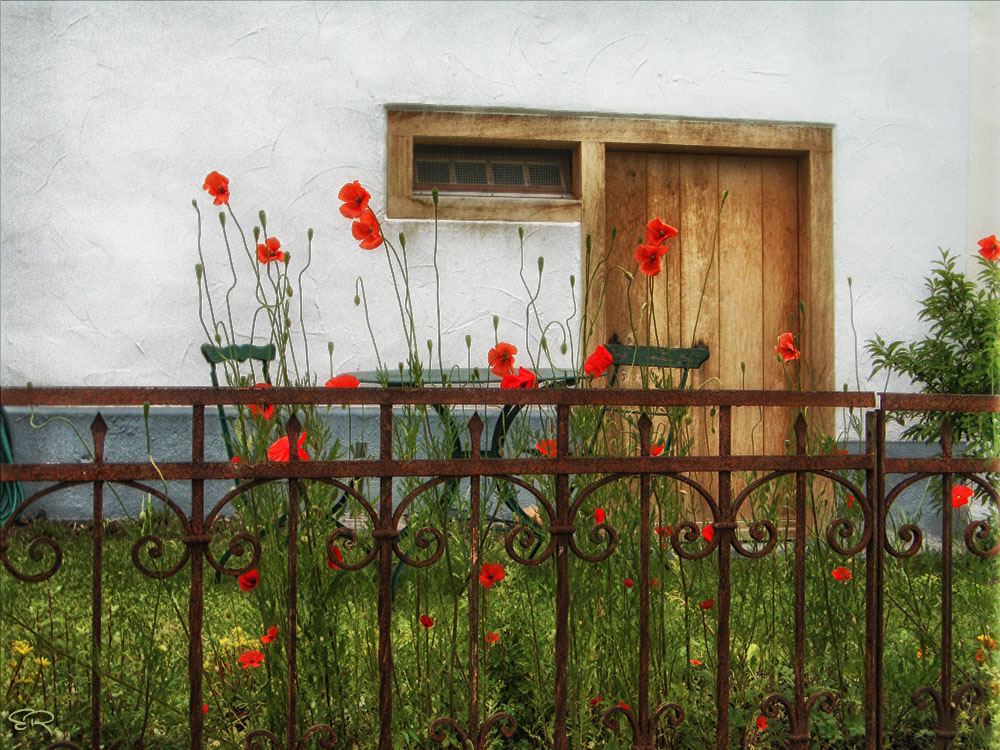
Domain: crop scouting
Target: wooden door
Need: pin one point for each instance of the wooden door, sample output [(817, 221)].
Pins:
[(736, 297)]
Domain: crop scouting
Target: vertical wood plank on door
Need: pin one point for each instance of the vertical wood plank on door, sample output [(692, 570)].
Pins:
[(780, 285), (625, 209), (663, 201), (740, 279), (699, 298)]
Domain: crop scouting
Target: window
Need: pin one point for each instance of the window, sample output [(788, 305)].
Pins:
[(492, 170)]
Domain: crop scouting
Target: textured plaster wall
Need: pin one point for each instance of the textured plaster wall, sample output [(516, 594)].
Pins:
[(112, 114)]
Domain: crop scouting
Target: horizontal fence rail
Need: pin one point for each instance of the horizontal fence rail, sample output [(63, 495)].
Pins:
[(641, 721)]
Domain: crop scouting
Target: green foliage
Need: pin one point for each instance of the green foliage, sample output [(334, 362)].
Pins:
[(960, 354)]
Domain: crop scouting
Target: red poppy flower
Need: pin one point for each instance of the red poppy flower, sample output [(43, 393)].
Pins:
[(841, 573), (218, 186), (491, 574), (204, 708), (272, 633), (249, 580), (546, 447), (708, 532), (850, 501), (525, 378), (960, 495), (595, 701), (786, 347), (492, 637), (236, 460), (501, 359), (655, 584), (267, 253), (367, 230), (265, 411), (426, 621), (279, 449), (343, 381), (657, 232), (648, 258), (664, 530), (599, 515), (338, 555), (250, 659), (707, 603), (988, 247), (598, 362), (762, 723), (656, 449), (355, 199), (696, 662), (624, 705), (980, 655), (629, 583)]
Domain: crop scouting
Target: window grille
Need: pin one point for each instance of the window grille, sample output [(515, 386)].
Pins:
[(492, 170)]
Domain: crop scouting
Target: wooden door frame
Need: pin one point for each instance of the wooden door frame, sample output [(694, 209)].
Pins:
[(590, 137)]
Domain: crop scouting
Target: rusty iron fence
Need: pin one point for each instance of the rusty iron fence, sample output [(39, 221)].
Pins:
[(648, 712)]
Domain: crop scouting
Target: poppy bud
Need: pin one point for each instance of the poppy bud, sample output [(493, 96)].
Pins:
[(402, 240), (563, 349), (520, 232), (434, 196), (263, 219), (357, 300), (222, 218), (309, 234), (545, 344), (288, 290), (628, 275), (743, 367), (256, 234), (288, 258), (288, 322), (198, 270), (496, 322), (218, 339), (614, 231), (194, 203), (541, 263), (468, 341), (572, 281), (329, 347)]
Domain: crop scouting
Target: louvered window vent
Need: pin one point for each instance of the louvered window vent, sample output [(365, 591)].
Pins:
[(493, 171)]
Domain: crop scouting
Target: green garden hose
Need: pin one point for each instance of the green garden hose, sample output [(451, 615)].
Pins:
[(11, 493)]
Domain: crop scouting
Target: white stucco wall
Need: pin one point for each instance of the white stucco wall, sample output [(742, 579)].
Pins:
[(113, 113)]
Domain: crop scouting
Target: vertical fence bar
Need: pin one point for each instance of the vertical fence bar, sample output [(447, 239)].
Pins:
[(645, 738), (946, 716), (196, 605), (562, 580), (384, 541), (293, 429), (874, 580), (799, 737), (98, 429), (723, 594), (475, 436)]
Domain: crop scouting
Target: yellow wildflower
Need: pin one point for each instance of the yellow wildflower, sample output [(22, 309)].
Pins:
[(986, 641), (42, 661), (22, 647)]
